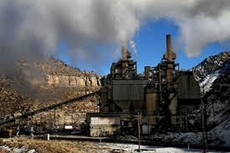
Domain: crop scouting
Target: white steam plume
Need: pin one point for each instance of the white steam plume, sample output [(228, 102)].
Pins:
[(34, 28), (133, 46)]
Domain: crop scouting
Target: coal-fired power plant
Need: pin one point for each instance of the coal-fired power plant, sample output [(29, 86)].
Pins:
[(163, 98), (160, 99)]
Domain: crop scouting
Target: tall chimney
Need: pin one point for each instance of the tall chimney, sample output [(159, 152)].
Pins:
[(169, 55), (168, 43)]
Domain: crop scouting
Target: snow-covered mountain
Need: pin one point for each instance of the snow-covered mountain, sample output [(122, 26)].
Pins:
[(213, 75), (218, 108), (210, 69)]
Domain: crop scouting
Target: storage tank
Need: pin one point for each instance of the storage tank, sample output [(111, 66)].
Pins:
[(173, 103), (151, 101)]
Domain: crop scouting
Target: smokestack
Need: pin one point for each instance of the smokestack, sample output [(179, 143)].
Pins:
[(168, 43), (169, 55)]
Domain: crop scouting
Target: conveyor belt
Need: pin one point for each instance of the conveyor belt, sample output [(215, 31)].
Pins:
[(31, 113)]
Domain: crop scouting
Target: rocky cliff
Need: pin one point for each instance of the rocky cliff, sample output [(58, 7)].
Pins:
[(56, 73)]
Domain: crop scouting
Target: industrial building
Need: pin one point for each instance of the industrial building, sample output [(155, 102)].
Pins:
[(163, 97)]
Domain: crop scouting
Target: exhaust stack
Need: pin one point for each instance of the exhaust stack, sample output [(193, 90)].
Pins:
[(169, 58), (169, 55)]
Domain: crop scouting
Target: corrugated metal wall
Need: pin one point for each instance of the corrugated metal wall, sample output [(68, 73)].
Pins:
[(128, 89)]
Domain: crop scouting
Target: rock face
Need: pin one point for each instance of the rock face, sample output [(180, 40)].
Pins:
[(72, 81), (56, 73), (62, 75)]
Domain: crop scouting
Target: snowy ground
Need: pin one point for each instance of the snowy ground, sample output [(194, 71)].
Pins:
[(17, 150), (153, 149)]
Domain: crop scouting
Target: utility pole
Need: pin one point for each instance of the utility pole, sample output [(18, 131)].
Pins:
[(139, 130), (204, 134)]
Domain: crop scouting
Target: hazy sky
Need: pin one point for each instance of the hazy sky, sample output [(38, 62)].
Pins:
[(89, 33)]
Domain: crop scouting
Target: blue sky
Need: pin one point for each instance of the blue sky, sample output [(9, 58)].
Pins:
[(151, 45)]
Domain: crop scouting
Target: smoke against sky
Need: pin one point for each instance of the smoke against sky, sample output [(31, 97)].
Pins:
[(33, 29)]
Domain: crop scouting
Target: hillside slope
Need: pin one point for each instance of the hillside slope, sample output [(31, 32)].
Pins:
[(213, 75), (36, 85), (210, 69), (218, 108)]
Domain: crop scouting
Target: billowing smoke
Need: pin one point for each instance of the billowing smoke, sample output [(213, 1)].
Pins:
[(133, 46), (34, 28)]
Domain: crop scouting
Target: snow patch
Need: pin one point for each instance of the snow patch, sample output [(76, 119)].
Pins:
[(208, 81), (187, 138), (17, 150)]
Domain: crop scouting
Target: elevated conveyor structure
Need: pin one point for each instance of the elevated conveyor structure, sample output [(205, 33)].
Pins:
[(31, 113)]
